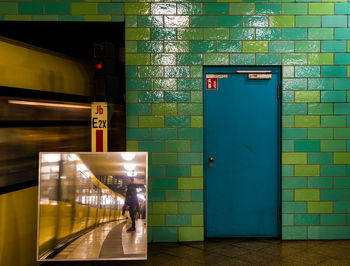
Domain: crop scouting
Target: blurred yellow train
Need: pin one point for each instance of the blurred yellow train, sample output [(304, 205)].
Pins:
[(72, 200), (45, 103)]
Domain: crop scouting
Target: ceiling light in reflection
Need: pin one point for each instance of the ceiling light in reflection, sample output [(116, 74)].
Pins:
[(131, 173), (81, 167), (129, 166), (44, 201), (86, 174), (51, 158), (49, 169), (128, 156), (73, 157), (44, 176), (63, 177)]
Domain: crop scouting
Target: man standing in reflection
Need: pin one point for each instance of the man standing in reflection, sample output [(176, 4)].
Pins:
[(131, 202)]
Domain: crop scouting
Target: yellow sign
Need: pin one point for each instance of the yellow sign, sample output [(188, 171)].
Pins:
[(99, 127)]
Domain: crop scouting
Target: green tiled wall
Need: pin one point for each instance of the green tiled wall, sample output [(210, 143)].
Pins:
[(167, 45)]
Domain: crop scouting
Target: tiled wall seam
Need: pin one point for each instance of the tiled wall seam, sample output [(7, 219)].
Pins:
[(167, 45)]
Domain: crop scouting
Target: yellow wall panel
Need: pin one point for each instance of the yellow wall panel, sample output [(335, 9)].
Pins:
[(18, 214)]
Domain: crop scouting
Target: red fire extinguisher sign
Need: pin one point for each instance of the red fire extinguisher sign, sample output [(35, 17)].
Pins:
[(212, 83)]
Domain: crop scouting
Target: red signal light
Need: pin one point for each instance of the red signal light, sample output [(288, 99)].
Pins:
[(98, 66)]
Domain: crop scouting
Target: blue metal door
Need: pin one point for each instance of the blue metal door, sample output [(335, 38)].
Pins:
[(242, 152)]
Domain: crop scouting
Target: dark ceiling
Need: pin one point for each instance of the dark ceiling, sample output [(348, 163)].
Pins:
[(74, 39)]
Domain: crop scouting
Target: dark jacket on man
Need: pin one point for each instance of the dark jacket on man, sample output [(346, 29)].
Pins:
[(131, 196)]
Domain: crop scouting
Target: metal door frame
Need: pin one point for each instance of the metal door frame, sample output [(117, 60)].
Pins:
[(230, 70)]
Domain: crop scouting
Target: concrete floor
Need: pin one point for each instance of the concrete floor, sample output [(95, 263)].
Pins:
[(240, 252)]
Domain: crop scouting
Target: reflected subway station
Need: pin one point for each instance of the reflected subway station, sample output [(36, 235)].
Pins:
[(83, 211)]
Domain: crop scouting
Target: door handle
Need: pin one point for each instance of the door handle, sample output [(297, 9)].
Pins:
[(211, 160)]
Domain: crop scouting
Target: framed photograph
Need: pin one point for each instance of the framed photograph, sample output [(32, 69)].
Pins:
[(92, 206)]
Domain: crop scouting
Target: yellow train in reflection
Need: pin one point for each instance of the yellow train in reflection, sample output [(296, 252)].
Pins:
[(72, 200)]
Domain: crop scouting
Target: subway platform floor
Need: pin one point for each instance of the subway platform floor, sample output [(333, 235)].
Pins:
[(108, 241), (240, 252)]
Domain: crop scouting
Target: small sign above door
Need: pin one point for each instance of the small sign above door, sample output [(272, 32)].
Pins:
[(259, 76), (219, 76), (212, 80)]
